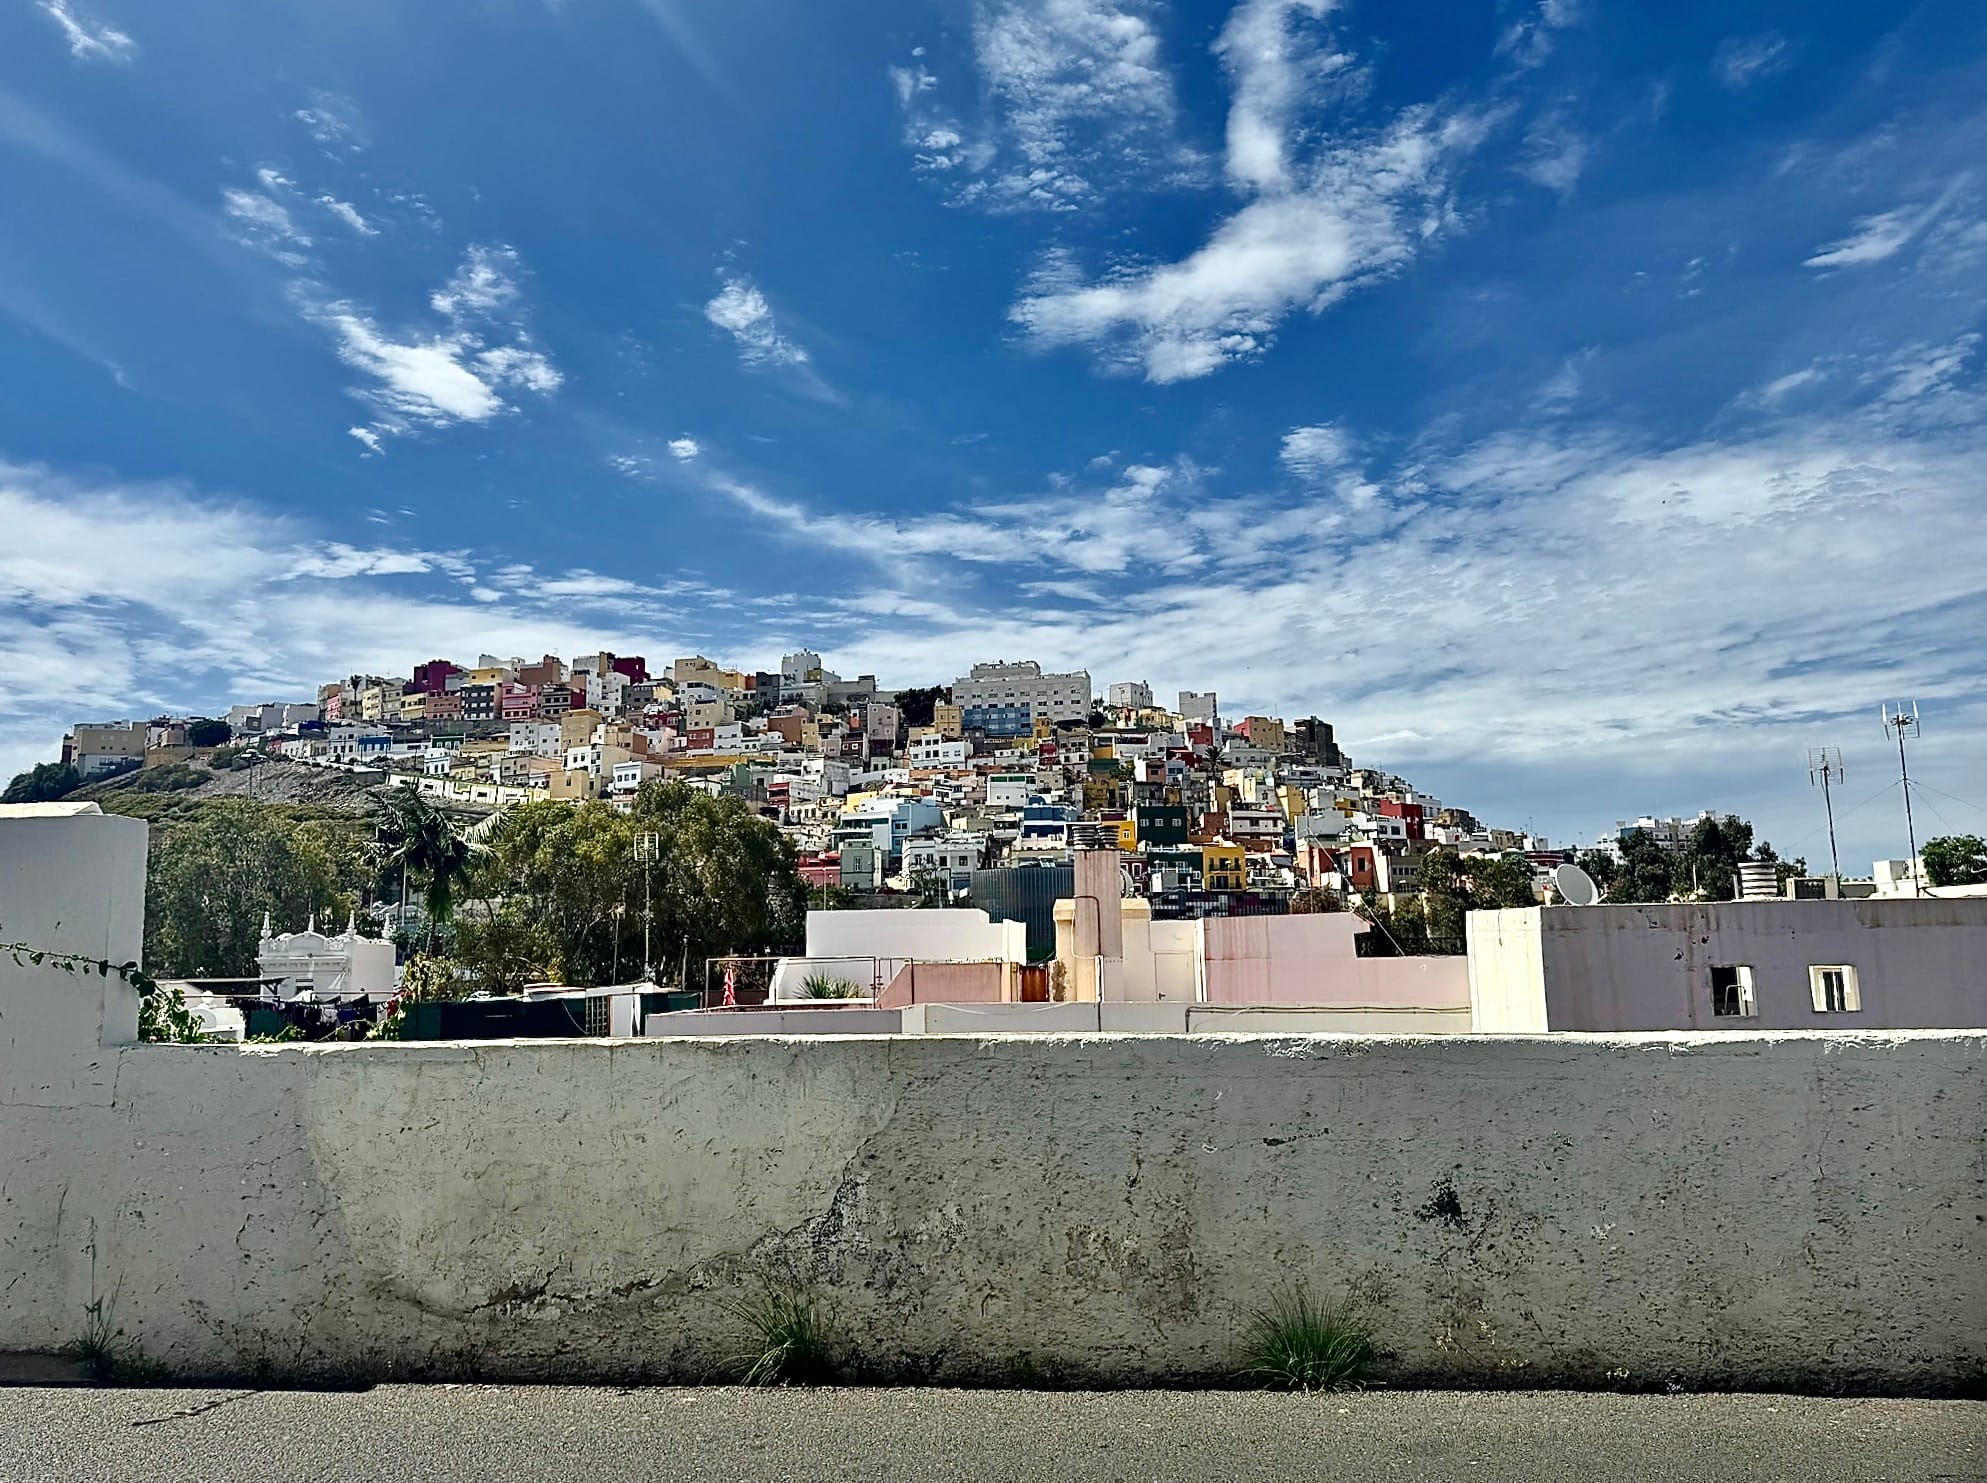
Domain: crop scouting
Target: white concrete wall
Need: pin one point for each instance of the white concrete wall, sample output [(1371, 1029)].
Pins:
[(948, 935), (1605, 968), (1716, 1209)]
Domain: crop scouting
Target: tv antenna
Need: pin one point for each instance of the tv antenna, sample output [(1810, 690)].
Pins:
[(1825, 769), (1902, 720)]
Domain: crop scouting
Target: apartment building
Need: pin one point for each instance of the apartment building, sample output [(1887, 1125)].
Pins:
[(1048, 697)]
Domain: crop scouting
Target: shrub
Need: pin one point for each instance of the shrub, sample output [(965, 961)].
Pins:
[(827, 986), (793, 1342), (1298, 1343)]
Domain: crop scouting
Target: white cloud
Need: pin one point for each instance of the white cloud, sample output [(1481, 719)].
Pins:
[(1874, 238), (1555, 154), (266, 224), (366, 436), (741, 311), (1312, 452), (684, 449), (274, 180), (349, 214), (90, 41), (333, 121), (1919, 370), (1785, 386), (1742, 60), (1276, 69), (1363, 210), (128, 600), (485, 283), (421, 379), (459, 373), (1529, 41), (1079, 100)]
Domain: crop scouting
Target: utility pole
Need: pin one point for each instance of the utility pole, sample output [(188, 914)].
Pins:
[(1825, 768), (648, 850), (1903, 720)]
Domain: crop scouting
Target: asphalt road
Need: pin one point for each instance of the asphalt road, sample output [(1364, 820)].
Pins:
[(439, 1434)]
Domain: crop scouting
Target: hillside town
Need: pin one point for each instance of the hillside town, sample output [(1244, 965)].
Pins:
[(913, 790)]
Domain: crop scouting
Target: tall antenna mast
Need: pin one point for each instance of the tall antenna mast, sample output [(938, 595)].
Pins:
[(1825, 768), (1902, 718)]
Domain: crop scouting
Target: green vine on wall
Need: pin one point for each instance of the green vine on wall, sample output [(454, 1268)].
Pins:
[(162, 1011)]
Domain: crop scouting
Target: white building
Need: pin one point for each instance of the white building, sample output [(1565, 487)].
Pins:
[(950, 858), (537, 739), (936, 751), (1049, 697), (1132, 694), (343, 967), (1196, 705)]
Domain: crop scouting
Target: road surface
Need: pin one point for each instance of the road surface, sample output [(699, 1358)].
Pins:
[(440, 1434)]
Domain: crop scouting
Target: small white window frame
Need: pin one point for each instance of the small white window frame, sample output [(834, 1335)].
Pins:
[(1818, 995)]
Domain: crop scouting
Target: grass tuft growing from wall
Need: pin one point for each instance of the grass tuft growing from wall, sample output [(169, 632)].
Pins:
[(1300, 1343), (792, 1340)]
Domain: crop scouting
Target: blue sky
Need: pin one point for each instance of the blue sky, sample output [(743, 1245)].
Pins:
[(1579, 403)]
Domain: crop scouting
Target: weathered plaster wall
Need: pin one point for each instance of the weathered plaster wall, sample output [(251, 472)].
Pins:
[(1719, 1209)]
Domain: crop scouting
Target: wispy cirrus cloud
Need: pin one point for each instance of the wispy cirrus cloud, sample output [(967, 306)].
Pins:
[(1740, 61), (90, 41), (1078, 99), (1874, 238), (346, 212), (1529, 40), (332, 119), (265, 223), (742, 312)]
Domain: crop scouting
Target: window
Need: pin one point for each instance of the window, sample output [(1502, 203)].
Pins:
[(1731, 991), (1833, 988)]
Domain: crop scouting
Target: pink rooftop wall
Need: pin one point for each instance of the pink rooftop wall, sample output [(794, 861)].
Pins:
[(1311, 960)]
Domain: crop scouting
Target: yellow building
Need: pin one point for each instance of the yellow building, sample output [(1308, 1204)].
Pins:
[(702, 671), (379, 703), (576, 727), (413, 705), (949, 721), (1265, 732), (1293, 802), (1127, 835), (489, 674), (1223, 866)]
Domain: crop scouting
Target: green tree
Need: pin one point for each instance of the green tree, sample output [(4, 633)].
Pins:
[(1399, 931), (1646, 871), (1710, 856), (1314, 900), (725, 880), (915, 707), (502, 946), (1499, 881), (1444, 883), (206, 733), (47, 782), (1955, 860), (214, 877), (1601, 867)]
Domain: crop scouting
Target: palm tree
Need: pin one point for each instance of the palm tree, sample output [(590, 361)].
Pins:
[(416, 836)]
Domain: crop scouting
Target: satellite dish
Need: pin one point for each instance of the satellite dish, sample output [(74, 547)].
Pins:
[(1574, 885)]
